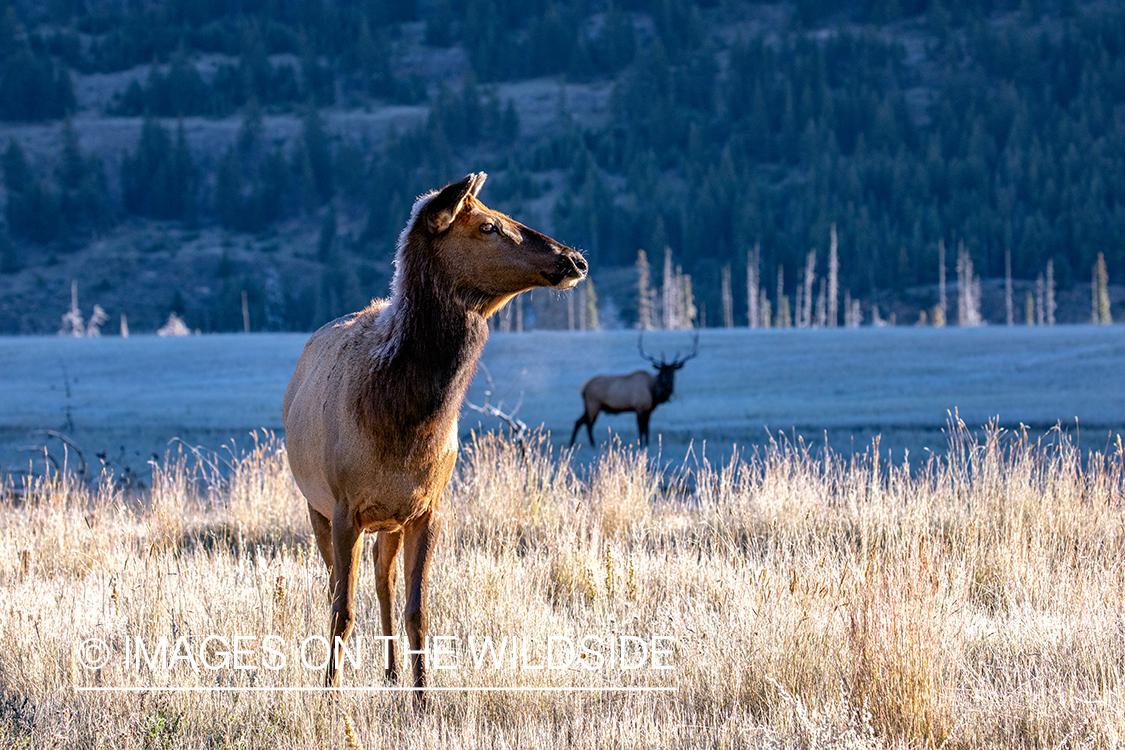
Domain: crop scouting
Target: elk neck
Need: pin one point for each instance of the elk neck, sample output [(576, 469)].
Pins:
[(662, 384), (436, 342)]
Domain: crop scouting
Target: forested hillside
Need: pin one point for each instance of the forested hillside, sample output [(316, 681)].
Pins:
[(173, 155)]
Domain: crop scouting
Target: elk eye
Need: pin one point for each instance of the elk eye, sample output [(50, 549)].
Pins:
[(488, 228)]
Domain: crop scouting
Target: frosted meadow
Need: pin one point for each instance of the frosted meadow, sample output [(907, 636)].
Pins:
[(965, 597), (813, 601)]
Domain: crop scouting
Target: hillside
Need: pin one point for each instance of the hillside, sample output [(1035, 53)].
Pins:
[(173, 156)]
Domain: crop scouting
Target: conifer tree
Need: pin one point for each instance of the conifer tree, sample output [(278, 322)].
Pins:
[(10, 259)]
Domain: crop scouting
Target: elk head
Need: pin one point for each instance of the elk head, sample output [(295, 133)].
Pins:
[(487, 258), (665, 378)]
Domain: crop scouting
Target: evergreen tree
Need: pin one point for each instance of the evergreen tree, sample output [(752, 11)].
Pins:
[(228, 193), (10, 259), (32, 210), (326, 246), (252, 131), (183, 181), (33, 88), (315, 159), (159, 179), (17, 173), (439, 25), (83, 187), (509, 129)]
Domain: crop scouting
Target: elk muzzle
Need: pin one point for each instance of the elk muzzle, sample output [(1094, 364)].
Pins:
[(571, 268)]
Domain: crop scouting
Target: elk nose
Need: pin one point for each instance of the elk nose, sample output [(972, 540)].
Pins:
[(580, 263)]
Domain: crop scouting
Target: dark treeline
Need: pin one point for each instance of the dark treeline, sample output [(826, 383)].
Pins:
[(1006, 132), (1020, 146)]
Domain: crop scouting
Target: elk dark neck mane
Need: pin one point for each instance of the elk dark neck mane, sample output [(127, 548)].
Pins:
[(661, 388), (425, 347)]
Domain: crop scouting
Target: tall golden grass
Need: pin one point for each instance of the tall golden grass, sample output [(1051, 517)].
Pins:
[(970, 601)]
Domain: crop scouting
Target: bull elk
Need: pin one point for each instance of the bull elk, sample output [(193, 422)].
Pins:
[(639, 391), (371, 411)]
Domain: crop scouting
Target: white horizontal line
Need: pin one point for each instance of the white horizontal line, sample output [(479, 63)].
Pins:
[(374, 689)]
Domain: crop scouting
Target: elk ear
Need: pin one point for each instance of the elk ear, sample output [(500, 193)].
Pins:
[(478, 183), (443, 208)]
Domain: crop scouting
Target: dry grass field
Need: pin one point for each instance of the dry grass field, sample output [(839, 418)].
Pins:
[(977, 600)]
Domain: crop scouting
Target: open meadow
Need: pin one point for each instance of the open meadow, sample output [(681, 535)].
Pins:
[(127, 398), (971, 596)]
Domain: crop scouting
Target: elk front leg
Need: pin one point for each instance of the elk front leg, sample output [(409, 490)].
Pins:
[(386, 553), (420, 536), (642, 426), (346, 547)]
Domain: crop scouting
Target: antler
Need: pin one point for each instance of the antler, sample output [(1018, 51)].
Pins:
[(660, 362), (694, 352), (641, 349)]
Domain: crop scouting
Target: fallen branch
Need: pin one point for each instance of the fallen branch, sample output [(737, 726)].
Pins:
[(518, 426), (68, 442)]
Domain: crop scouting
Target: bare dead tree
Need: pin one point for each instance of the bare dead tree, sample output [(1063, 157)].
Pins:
[(1040, 302), (1008, 308), (821, 309), (807, 292), (942, 300), (753, 284), (645, 293), (1049, 302), (728, 298), (833, 279)]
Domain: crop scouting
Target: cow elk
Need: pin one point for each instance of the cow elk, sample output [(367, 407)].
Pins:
[(639, 391), (371, 411)]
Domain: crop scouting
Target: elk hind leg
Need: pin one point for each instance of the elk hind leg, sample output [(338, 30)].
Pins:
[(590, 428), (386, 554), (587, 420), (346, 546), (577, 425), (322, 527), (420, 537)]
